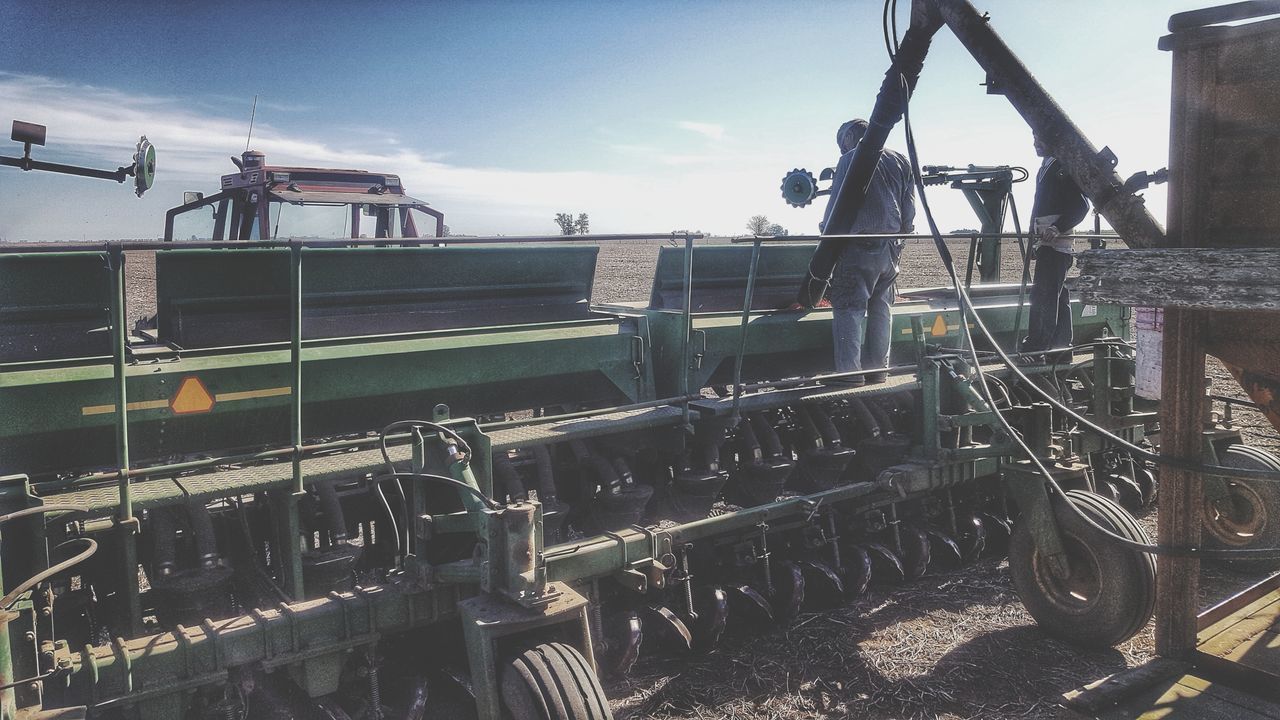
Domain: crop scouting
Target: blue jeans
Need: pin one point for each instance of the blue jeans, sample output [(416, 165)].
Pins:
[(862, 291), (1049, 322)]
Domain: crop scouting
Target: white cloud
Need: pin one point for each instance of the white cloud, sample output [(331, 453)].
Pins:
[(711, 131)]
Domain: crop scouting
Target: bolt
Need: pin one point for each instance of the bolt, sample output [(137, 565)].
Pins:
[(29, 636)]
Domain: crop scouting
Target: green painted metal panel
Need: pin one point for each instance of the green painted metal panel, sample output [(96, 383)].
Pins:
[(790, 344), (54, 305), (720, 276), (60, 416), (208, 298)]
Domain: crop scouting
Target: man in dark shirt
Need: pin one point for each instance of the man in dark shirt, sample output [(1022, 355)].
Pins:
[(1059, 206), (863, 283)]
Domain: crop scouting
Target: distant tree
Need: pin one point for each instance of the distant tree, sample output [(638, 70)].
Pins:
[(447, 231), (777, 230), (565, 221), (570, 226), (758, 225), (966, 231)]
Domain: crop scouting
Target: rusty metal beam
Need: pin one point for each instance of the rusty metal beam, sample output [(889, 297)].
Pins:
[(1092, 172)]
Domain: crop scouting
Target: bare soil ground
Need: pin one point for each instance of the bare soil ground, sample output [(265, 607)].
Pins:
[(954, 645)]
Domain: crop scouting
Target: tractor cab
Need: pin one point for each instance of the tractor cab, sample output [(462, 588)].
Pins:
[(264, 202)]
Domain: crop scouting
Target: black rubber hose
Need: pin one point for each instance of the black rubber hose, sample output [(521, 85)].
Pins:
[(547, 491), (331, 511), (883, 421), (860, 413), (830, 434), (165, 536), (508, 477), (202, 530), (605, 474), (709, 454), (808, 429), (626, 478), (769, 439), (748, 444)]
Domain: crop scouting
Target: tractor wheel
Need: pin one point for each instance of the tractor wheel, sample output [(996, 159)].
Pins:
[(1109, 594), (1249, 517), (552, 681)]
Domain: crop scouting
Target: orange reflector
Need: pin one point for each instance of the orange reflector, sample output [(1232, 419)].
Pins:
[(939, 327), (192, 397)]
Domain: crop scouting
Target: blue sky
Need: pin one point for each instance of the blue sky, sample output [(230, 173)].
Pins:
[(650, 116)]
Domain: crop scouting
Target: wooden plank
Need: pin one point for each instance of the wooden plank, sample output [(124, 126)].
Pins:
[(1202, 278), (1247, 603), (1182, 409), (1260, 652), (1119, 687), (1240, 637), (1188, 697)]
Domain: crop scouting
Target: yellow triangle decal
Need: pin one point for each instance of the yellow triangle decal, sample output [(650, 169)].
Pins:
[(939, 327)]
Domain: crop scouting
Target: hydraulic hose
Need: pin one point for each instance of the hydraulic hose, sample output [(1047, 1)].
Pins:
[(91, 547)]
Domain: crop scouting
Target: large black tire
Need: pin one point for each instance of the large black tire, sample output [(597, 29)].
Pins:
[(552, 681), (1250, 517), (1111, 592)]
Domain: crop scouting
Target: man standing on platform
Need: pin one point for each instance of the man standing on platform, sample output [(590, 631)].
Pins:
[(1059, 206), (863, 284)]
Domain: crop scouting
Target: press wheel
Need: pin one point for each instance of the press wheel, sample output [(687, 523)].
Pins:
[(1249, 517), (552, 681), (1109, 594)]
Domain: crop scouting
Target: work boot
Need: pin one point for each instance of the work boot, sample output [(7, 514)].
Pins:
[(876, 378)]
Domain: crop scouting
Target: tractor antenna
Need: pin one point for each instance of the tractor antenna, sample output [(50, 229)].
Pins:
[(252, 114)]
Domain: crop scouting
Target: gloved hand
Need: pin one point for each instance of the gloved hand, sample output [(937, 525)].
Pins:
[(1048, 233)]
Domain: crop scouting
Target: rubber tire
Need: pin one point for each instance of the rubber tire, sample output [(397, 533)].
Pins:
[(1126, 595), (1247, 457), (552, 681)]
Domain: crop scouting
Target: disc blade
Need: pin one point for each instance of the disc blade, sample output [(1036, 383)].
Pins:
[(1147, 482), (973, 537), (823, 587), (668, 627), (749, 605), (788, 590), (857, 570), (1129, 491), (915, 551), (944, 553), (623, 635), (885, 563), (998, 532), (712, 605)]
